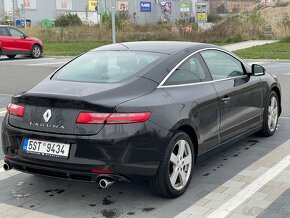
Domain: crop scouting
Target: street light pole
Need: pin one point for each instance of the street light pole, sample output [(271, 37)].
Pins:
[(113, 22), (13, 13)]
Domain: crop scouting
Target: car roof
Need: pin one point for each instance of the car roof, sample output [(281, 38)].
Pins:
[(166, 47)]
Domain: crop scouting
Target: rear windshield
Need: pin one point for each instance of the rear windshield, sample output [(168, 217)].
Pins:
[(106, 66)]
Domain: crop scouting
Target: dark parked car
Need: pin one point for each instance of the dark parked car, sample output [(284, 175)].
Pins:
[(14, 42), (138, 110)]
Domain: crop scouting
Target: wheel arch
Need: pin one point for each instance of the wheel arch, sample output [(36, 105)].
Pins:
[(278, 92), (189, 130), (36, 43)]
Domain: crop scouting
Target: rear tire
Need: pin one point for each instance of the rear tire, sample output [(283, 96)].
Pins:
[(270, 115), (36, 51), (11, 56), (175, 170)]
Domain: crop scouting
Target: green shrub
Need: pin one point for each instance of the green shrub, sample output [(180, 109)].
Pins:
[(68, 19)]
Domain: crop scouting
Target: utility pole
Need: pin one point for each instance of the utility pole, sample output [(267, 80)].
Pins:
[(113, 21), (226, 5), (13, 13)]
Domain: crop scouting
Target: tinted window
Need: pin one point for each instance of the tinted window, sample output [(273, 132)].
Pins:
[(106, 66), (222, 65), (4, 32), (190, 71), (15, 33)]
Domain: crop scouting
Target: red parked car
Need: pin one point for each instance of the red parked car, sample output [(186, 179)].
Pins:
[(14, 42)]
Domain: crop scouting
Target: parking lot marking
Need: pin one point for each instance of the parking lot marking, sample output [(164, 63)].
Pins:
[(4, 94), (251, 189), (61, 62), (1, 166), (25, 60), (288, 118), (6, 174), (2, 112)]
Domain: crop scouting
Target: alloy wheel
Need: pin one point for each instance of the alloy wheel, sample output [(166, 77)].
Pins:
[(272, 114), (180, 164), (36, 51)]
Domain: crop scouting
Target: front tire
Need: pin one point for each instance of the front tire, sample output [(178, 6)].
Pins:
[(36, 51), (270, 115), (175, 169), (11, 56)]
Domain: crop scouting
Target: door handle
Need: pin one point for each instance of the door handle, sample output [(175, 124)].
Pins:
[(226, 99)]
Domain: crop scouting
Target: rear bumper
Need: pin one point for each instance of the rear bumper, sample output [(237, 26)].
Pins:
[(68, 174), (131, 152)]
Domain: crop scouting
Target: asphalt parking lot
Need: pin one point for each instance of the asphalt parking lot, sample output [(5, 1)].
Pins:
[(248, 179)]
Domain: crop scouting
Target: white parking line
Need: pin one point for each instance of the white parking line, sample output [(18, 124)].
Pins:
[(251, 189), (243, 195), (4, 94), (6, 174), (1, 166), (2, 112), (25, 60), (61, 62), (288, 118)]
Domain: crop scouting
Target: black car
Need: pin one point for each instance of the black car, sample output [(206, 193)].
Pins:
[(138, 111)]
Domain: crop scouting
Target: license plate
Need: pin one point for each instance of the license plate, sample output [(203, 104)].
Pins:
[(46, 148)]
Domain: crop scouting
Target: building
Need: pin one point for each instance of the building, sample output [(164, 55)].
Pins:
[(140, 11)]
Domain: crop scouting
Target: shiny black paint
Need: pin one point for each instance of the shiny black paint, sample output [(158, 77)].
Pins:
[(135, 150)]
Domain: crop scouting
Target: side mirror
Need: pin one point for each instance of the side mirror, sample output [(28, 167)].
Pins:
[(258, 70), (24, 36)]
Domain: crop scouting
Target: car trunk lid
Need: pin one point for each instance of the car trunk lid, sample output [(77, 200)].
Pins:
[(53, 106)]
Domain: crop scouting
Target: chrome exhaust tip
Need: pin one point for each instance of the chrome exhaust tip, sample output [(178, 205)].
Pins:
[(6, 166), (105, 183)]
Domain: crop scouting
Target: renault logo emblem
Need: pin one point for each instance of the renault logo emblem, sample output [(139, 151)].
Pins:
[(47, 115)]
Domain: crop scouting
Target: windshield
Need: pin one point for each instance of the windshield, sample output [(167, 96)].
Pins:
[(106, 66)]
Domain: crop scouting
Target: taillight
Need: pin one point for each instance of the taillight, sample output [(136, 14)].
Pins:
[(128, 118), (16, 110), (92, 117), (114, 118)]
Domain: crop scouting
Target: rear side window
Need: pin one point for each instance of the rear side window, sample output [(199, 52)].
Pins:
[(106, 66), (190, 71), (222, 65), (15, 33), (4, 32)]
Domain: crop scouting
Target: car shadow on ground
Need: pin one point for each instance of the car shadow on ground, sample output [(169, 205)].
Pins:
[(76, 199)]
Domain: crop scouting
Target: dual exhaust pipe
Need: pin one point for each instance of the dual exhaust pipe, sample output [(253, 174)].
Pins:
[(103, 183)]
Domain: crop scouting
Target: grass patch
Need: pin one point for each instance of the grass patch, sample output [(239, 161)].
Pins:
[(75, 48), (278, 50), (70, 48)]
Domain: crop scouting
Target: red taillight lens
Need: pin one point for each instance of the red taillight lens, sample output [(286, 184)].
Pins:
[(128, 118), (114, 118), (15, 110), (92, 117)]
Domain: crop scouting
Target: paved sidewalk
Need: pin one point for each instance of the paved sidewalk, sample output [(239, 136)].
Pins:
[(247, 44), (259, 190)]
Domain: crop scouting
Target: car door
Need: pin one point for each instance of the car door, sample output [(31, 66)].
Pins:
[(6, 42), (191, 87), (239, 94), (20, 42)]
